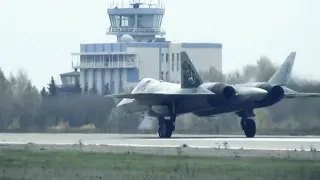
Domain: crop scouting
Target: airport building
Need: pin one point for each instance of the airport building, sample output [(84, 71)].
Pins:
[(140, 51)]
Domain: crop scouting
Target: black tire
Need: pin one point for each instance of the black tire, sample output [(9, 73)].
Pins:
[(165, 129), (249, 128)]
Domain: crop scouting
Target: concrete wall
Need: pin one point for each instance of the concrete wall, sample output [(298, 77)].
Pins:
[(148, 61), (203, 56)]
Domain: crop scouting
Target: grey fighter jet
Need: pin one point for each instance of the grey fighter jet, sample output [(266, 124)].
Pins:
[(166, 101)]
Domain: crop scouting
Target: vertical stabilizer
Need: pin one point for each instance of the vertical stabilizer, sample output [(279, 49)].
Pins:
[(190, 78), (283, 74)]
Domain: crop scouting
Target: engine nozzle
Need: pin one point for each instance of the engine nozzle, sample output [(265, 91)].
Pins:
[(274, 91), (223, 89), (275, 94)]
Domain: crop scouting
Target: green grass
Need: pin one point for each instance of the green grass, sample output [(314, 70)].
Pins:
[(79, 165)]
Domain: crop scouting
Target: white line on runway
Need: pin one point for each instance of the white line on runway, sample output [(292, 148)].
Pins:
[(155, 146), (245, 139)]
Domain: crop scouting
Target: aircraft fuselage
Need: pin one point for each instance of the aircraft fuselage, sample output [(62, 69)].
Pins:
[(250, 98)]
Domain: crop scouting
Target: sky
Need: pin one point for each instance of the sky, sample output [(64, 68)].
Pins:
[(40, 35)]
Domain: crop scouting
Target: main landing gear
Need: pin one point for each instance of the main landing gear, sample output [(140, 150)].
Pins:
[(248, 125), (166, 127)]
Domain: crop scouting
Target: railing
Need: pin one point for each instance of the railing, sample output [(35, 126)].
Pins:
[(128, 4), (75, 63), (133, 30), (75, 66), (100, 62), (108, 65)]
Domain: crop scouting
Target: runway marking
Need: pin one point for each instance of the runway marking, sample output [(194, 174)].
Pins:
[(161, 146), (202, 147), (214, 139), (241, 139)]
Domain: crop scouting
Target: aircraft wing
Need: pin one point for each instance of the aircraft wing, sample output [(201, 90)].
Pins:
[(163, 96), (301, 95)]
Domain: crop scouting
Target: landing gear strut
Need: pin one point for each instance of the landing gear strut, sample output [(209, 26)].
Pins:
[(249, 127), (166, 127), (247, 124)]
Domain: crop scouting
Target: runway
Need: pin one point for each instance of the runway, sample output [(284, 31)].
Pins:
[(299, 143)]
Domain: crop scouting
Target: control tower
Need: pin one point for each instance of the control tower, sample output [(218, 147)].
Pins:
[(140, 51), (140, 19)]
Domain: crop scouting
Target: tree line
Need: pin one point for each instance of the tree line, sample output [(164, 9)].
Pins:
[(23, 108)]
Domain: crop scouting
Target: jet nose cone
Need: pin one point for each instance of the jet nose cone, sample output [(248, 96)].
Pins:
[(125, 105), (124, 102)]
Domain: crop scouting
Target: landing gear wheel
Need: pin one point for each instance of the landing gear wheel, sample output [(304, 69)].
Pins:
[(249, 127), (165, 128)]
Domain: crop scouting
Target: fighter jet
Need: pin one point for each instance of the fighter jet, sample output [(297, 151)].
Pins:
[(166, 101)]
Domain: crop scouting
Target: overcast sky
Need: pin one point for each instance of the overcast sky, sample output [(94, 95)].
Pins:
[(40, 35)]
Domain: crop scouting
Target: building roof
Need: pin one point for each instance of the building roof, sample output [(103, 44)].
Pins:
[(73, 73)]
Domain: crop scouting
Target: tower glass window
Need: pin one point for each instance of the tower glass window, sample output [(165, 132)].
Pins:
[(124, 21)]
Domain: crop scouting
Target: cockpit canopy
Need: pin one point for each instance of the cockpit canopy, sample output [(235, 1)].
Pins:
[(142, 84)]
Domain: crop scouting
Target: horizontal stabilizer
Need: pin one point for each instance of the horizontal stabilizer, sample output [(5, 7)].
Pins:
[(301, 95)]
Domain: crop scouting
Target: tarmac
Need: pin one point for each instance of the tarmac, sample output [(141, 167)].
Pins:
[(301, 147)]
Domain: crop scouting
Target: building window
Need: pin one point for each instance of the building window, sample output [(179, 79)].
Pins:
[(167, 57), (162, 56), (172, 61), (167, 76), (106, 64), (178, 59), (161, 76)]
